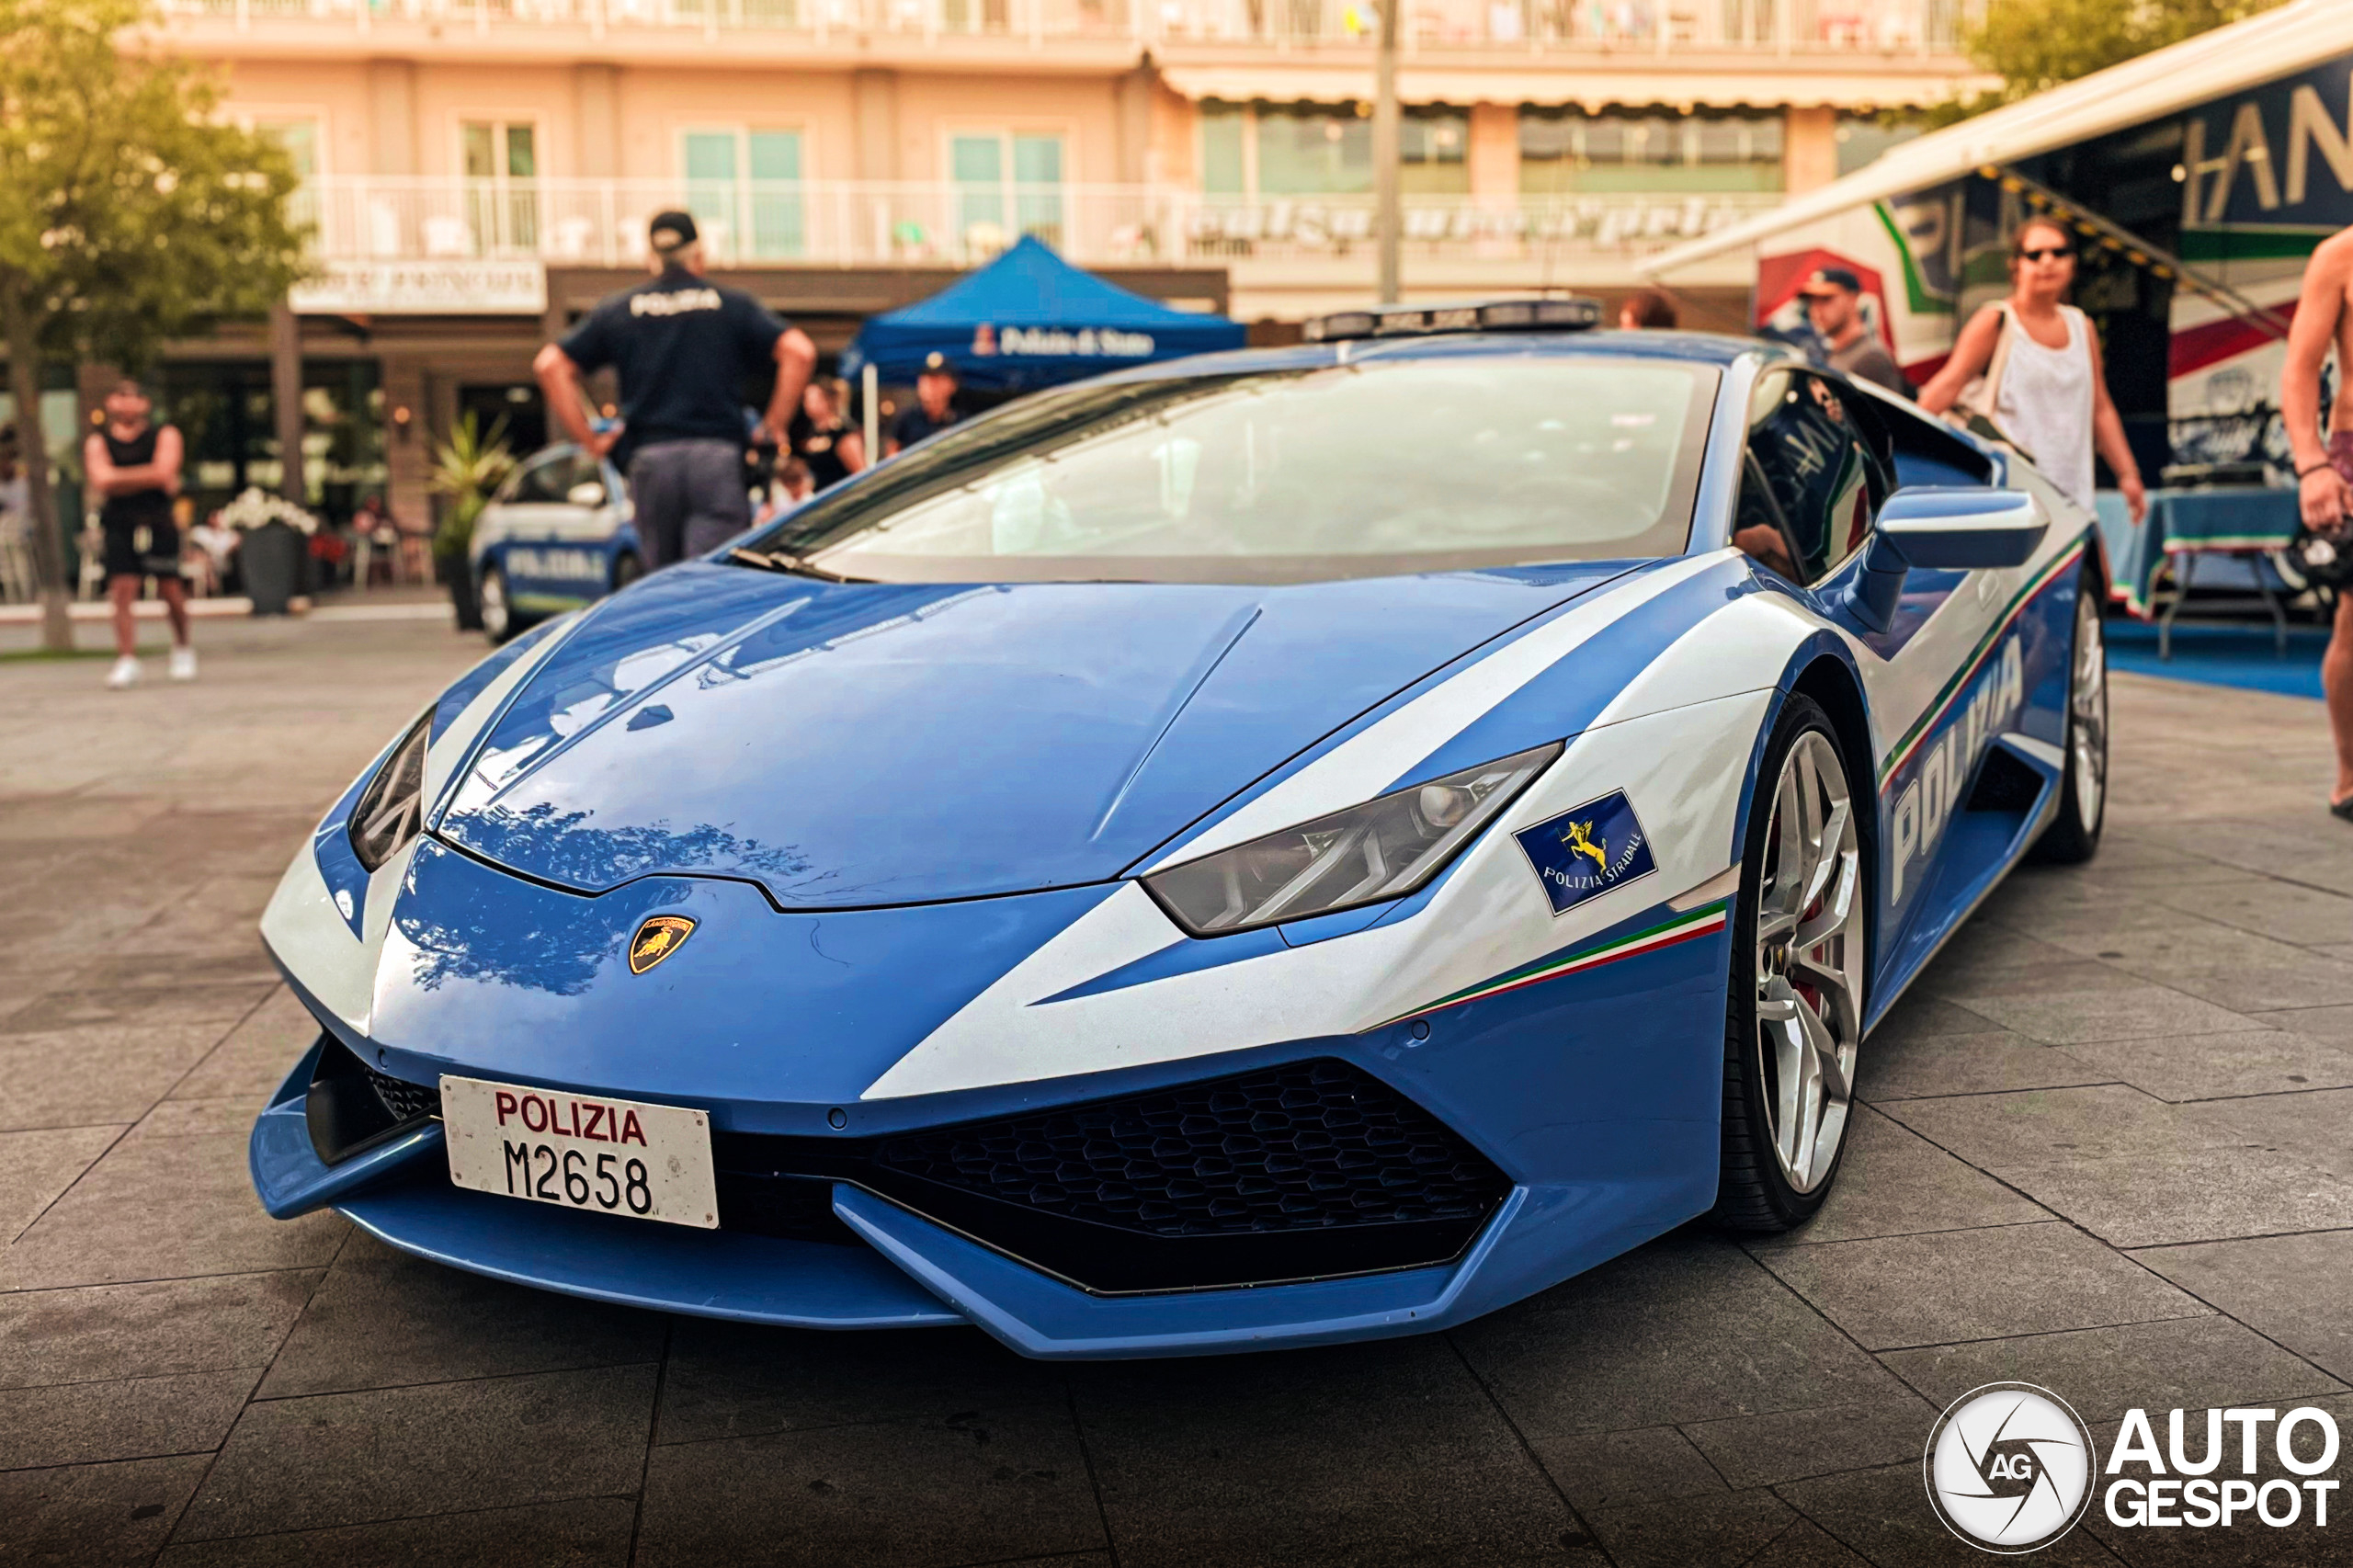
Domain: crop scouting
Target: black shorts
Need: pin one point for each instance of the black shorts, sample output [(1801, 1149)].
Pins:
[(123, 557)]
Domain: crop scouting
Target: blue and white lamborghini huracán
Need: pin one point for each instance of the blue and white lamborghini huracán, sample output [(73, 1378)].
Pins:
[(1284, 846)]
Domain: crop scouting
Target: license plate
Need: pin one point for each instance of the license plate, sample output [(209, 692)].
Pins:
[(643, 1162)]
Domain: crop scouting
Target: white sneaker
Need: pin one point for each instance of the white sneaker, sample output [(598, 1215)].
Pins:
[(183, 663), (124, 673)]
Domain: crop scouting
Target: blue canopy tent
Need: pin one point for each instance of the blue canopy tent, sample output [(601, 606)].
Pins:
[(1028, 320)]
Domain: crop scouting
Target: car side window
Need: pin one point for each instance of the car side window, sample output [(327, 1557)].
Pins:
[(1810, 482), (543, 480)]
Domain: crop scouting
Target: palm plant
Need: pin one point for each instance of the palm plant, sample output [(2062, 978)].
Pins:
[(467, 467)]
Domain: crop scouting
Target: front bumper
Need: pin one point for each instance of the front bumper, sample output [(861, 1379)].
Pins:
[(1591, 1099)]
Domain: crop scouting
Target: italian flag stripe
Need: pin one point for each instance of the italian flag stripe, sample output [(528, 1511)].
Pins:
[(1682, 928), (1951, 693)]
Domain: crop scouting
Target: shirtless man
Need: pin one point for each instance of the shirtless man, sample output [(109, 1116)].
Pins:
[(2325, 462)]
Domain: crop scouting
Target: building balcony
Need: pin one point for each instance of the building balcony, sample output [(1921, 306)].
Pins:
[(828, 224), (1916, 31)]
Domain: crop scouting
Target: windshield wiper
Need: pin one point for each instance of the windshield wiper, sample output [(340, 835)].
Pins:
[(783, 560)]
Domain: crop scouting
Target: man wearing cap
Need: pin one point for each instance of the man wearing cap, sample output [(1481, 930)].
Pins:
[(934, 408), (683, 347), (1833, 303)]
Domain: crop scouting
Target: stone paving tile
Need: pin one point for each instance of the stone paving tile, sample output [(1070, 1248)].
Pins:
[(1891, 1182), (1908, 1290), (1986, 954), (2312, 1126), (386, 1320), (2187, 1194), (1765, 1451), (2290, 1289), (1641, 1341), (98, 1077), (35, 1166), (1917, 1016), (1805, 1545), (107, 1332), (2271, 908), (397, 1452), (2309, 980), (991, 1487), (2215, 1066), (2043, 1126), (216, 1003), (1987, 1063), (580, 1533), (165, 1208), (1694, 1532), (1368, 1454), (1605, 1470), (2190, 1363), (1885, 1515), (130, 1419), (2071, 1004), (95, 1516), (729, 1380), (254, 1057)]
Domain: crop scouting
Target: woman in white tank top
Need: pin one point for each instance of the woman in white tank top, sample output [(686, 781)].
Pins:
[(2047, 388)]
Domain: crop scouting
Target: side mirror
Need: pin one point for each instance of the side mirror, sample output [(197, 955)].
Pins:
[(588, 492), (1939, 526)]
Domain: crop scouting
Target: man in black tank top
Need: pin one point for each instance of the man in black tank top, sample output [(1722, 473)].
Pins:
[(136, 465)]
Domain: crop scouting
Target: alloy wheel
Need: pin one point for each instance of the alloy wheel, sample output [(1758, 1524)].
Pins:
[(490, 600), (2087, 709), (1809, 961)]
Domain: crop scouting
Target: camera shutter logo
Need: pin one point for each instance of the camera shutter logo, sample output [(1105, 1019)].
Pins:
[(2009, 1468)]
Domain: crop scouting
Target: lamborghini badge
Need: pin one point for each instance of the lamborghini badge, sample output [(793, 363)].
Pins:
[(656, 939)]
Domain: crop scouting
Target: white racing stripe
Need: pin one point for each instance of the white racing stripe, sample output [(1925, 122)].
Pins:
[(1365, 763)]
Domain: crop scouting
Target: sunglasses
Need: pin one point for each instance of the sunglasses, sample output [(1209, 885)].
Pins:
[(2048, 253)]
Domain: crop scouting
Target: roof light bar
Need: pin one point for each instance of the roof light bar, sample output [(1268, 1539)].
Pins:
[(1575, 312)]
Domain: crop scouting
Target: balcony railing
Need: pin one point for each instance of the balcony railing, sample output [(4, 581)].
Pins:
[(603, 222), (1869, 27)]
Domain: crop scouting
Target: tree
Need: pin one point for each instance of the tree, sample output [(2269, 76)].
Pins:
[(129, 215), (2033, 45)]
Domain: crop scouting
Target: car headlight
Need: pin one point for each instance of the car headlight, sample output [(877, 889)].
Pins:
[(391, 811), (1382, 849)]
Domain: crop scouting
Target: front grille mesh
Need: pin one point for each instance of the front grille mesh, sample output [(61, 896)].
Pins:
[(1310, 1145), (406, 1100)]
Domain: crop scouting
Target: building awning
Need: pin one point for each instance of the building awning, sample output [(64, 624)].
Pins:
[(1594, 84), (2229, 59)]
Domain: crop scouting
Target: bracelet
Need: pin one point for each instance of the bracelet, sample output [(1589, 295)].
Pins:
[(2304, 473)]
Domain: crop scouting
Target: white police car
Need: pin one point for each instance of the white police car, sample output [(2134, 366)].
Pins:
[(557, 535)]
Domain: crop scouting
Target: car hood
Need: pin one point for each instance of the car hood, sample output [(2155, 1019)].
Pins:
[(851, 745)]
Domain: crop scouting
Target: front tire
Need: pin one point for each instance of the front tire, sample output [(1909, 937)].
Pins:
[(2073, 836), (1793, 1020), (497, 613), (627, 569)]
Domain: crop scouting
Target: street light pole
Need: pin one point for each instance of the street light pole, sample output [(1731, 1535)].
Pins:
[(1384, 150)]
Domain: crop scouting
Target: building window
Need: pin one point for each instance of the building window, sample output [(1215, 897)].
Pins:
[(299, 141), (1003, 177), (1862, 138), (744, 189), (1327, 150), (502, 170), (1568, 151)]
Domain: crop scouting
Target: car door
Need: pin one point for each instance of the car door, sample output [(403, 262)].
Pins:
[(1939, 681), (550, 560)]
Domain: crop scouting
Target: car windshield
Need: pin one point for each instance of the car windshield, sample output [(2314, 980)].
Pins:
[(1430, 462)]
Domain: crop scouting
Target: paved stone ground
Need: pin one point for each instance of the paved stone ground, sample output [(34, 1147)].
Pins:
[(2105, 1149)]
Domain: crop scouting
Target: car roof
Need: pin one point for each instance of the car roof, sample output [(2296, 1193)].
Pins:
[(1717, 350)]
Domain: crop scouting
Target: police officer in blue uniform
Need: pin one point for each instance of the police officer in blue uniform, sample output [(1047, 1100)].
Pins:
[(934, 408), (682, 346)]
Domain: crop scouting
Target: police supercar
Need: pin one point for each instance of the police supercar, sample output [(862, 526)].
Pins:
[(683, 345)]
